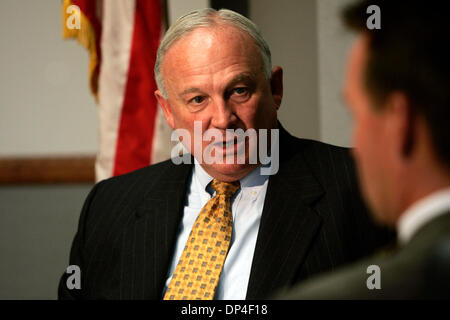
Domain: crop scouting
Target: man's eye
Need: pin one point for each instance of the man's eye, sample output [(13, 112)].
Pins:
[(197, 100), (240, 91)]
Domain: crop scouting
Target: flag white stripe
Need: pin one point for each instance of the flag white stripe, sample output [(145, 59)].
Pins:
[(116, 42)]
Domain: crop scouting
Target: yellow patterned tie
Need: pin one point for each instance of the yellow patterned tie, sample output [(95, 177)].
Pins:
[(198, 270)]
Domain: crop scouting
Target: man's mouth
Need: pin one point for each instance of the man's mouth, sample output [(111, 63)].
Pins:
[(233, 146), (224, 144)]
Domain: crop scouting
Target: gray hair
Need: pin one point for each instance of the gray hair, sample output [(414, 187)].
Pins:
[(207, 18)]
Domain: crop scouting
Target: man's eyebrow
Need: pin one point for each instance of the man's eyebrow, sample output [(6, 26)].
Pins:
[(189, 90), (242, 77)]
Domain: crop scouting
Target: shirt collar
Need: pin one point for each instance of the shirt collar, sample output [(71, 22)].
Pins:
[(202, 176), (253, 179), (422, 212)]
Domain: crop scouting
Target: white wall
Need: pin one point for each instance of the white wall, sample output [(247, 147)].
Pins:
[(308, 40), (178, 8), (333, 45), (45, 103), (289, 27)]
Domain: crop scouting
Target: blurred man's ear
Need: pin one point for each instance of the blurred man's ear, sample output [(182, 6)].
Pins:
[(165, 106), (276, 85), (401, 124)]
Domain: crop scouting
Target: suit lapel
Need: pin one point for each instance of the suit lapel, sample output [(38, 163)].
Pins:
[(161, 212), (288, 223)]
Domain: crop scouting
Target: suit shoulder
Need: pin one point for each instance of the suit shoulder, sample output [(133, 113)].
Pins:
[(323, 147), (332, 166), (148, 171), (139, 181), (321, 155), (111, 197)]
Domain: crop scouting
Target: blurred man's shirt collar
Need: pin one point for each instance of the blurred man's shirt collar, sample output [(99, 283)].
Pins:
[(422, 212)]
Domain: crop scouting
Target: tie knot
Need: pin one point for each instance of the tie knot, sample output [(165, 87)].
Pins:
[(225, 188)]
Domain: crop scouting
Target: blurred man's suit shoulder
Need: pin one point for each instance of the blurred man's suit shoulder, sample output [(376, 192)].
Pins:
[(419, 270)]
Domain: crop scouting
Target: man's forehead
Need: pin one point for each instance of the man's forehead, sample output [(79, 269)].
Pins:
[(204, 52), (356, 60), (205, 42), (353, 70), (203, 35), (361, 46)]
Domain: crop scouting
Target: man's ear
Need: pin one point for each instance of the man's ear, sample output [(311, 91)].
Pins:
[(165, 106), (401, 123), (276, 85)]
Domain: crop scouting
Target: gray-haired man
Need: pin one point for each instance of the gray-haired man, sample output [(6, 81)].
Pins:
[(148, 235)]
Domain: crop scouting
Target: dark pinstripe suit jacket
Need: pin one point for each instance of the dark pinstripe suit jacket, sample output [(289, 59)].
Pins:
[(313, 220)]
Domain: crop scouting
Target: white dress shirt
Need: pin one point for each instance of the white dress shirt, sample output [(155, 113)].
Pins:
[(421, 212), (246, 206)]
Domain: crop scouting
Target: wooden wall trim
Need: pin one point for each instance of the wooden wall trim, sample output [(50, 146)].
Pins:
[(46, 170)]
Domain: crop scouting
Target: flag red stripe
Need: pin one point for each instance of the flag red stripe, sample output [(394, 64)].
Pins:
[(137, 122)]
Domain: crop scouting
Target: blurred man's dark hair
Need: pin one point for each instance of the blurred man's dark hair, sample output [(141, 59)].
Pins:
[(410, 53)]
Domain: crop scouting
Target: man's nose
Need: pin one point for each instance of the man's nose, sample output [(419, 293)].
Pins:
[(223, 116)]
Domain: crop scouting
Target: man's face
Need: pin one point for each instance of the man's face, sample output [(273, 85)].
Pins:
[(215, 76), (368, 135)]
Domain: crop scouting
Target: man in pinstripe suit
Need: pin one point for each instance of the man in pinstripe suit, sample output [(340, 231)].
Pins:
[(214, 67)]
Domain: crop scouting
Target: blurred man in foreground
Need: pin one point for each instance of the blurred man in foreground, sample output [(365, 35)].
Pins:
[(398, 91)]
